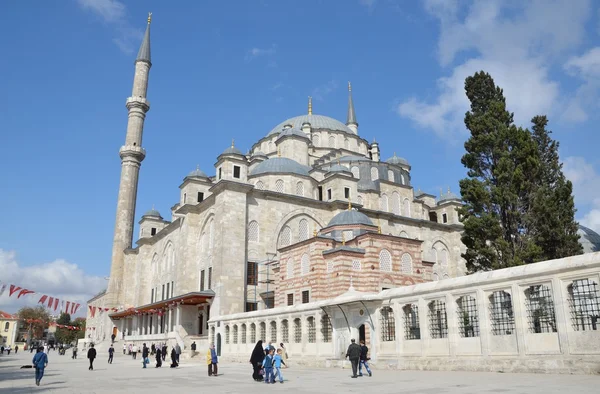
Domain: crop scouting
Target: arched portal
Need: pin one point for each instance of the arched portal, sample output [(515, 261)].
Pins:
[(219, 344), (361, 333)]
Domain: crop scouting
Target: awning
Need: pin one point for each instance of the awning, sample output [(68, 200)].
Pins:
[(195, 298)]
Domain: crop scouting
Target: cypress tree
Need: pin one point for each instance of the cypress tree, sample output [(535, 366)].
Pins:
[(552, 216)]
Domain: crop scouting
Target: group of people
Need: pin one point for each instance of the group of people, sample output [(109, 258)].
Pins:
[(8, 349), (267, 362), (359, 357)]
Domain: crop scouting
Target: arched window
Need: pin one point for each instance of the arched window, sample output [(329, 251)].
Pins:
[(305, 264), (435, 277), (260, 185), (396, 203), (279, 186), (263, 331), (355, 172), (312, 332), (290, 268), (385, 261), (252, 333), (438, 320), (374, 173), (412, 329), (501, 313), (285, 334), (227, 334), (387, 324), (359, 200), (403, 234), (285, 237), (300, 189), (235, 333), (253, 231), (406, 207), (384, 203), (316, 140), (332, 141), (303, 230), (584, 304), (211, 235), (346, 143), (6, 326), (444, 259), (273, 327), (297, 330), (390, 175), (468, 321), (326, 328), (406, 266), (402, 179), (540, 309), (243, 339)]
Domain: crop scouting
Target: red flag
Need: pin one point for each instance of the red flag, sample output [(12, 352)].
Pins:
[(92, 310), (13, 289), (76, 308), (50, 302), (56, 301), (24, 292), (68, 303), (43, 299)]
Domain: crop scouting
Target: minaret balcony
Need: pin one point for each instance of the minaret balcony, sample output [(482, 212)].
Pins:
[(132, 151), (138, 102)]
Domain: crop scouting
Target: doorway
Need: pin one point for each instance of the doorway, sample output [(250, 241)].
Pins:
[(361, 333), (219, 345), (115, 331), (200, 323)]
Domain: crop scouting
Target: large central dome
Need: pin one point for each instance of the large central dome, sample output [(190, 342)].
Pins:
[(316, 122)]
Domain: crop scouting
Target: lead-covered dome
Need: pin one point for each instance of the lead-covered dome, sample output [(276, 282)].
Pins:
[(197, 173), (397, 160), (152, 213), (589, 239), (316, 122), (350, 217), (280, 165)]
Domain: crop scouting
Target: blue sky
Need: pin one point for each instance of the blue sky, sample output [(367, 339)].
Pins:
[(235, 69)]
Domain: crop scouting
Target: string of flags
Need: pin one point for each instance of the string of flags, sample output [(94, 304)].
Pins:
[(100, 309), (53, 303)]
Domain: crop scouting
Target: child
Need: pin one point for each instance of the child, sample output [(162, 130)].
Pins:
[(268, 367), (277, 361)]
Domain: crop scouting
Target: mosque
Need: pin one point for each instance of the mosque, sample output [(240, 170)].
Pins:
[(311, 213)]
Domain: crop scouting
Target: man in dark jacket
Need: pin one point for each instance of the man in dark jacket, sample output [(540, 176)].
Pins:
[(364, 358), (145, 352), (91, 356), (353, 354), (111, 353)]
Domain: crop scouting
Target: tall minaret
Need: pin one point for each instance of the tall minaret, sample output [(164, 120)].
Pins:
[(351, 119), (131, 155)]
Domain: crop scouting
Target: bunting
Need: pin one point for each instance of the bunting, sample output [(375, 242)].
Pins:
[(46, 300), (2, 288)]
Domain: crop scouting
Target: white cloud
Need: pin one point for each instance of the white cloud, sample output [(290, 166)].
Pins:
[(320, 92), (59, 279), (109, 10), (586, 183), (515, 42), (258, 52), (587, 68)]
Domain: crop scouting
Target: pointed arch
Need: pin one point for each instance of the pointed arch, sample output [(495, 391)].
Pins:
[(396, 203), (374, 173), (406, 207), (384, 203), (390, 175), (253, 231)]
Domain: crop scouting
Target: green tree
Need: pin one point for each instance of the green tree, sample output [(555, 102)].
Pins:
[(64, 335), (552, 215), (501, 159), (36, 319), (80, 323)]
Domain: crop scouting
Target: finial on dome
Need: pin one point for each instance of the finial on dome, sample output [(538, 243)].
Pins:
[(149, 17), (232, 142), (349, 86), (315, 232), (153, 207), (448, 189), (309, 105), (278, 151), (343, 239), (441, 192), (378, 226), (349, 204)]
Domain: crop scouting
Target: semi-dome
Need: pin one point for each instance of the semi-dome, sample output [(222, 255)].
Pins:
[(316, 122), (232, 150), (293, 131), (197, 173), (350, 217), (338, 168), (589, 239), (397, 160), (152, 213), (280, 165)]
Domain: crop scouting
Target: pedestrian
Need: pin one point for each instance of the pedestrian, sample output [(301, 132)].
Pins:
[(256, 359), (16, 349), (134, 350), (8, 349), (364, 351), (40, 362), (111, 353), (112, 339), (2, 349), (31, 347), (130, 349), (145, 351), (277, 361), (284, 355), (174, 363), (353, 354), (193, 347), (74, 357), (212, 360), (124, 348), (178, 352), (152, 349), (158, 357), (268, 367), (91, 355), (164, 351)]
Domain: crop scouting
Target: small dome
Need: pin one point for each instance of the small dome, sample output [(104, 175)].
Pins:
[(448, 197), (293, 131), (232, 150), (152, 213), (589, 239), (280, 165), (258, 153), (197, 173), (349, 218), (397, 160), (338, 168), (316, 122)]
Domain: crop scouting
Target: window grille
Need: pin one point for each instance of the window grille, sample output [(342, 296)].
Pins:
[(252, 273), (584, 304), (374, 173), (297, 331), (305, 264), (359, 200), (273, 332), (202, 280), (501, 313), (312, 333), (468, 320), (384, 203), (243, 339), (285, 336), (385, 261), (316, 140), (406, 264), (300, 189), (253, 231), (356, 265), (412, 330), (329, 266), (305, 297), (252, 333), (260, 185), (540, 309), (290, 299), (348, 235), (263, 331), (396, 203), (326, 328), (387, 324), (209, 278), (290, 268), (355, 172), (235, 334), (438, 321), (226, 334), (303, 230), (331, 141), (390, 175), (406, 207), (279, 186), (285, 237)]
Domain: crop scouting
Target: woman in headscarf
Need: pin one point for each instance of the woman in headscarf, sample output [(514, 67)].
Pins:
[(256, 359), (174, 363)]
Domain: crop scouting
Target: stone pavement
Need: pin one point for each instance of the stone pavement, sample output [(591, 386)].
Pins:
[(125, 375)]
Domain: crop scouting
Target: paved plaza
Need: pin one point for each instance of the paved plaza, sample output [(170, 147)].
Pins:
[(125, 375)]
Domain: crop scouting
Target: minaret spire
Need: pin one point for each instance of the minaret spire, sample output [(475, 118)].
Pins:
[(351, 119), (309, 105), (132, 154)]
